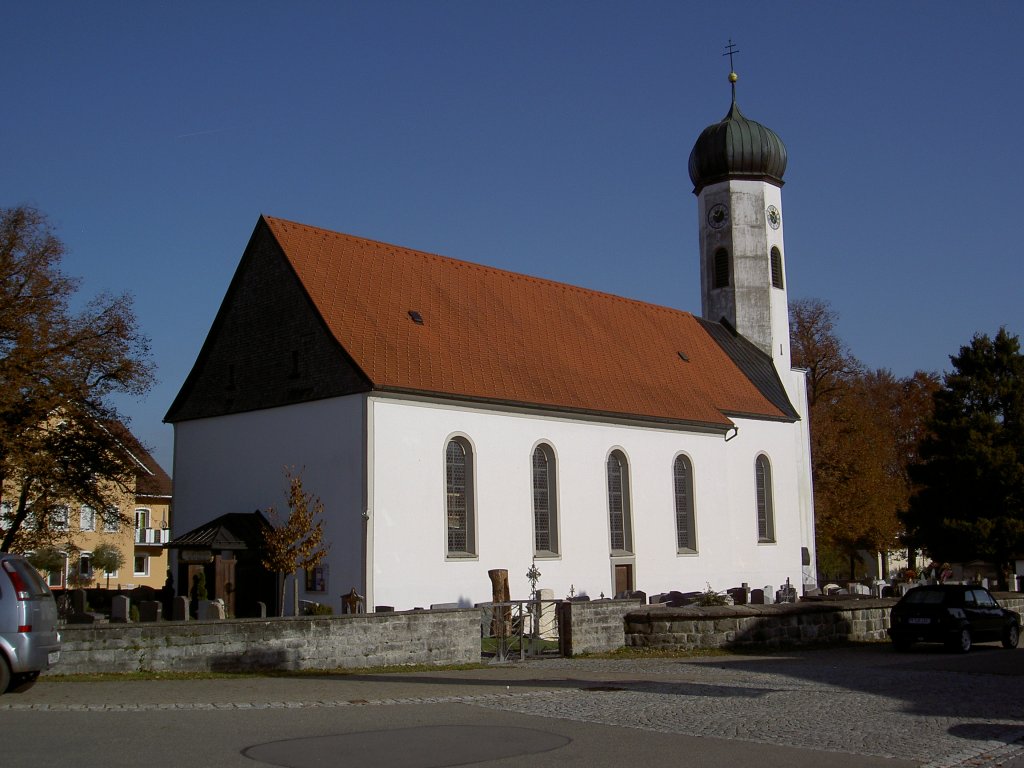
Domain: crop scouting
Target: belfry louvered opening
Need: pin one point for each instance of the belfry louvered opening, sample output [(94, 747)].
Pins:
[(721, 276)]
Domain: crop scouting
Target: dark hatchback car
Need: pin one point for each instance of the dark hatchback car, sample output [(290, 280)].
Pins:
[(957, 615)]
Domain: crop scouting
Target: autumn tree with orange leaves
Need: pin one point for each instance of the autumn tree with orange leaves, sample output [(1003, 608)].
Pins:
[(63, 363), (865, 429), (295, 543)]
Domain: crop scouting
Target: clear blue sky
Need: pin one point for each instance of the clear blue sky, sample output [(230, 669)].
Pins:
[(543, 137)]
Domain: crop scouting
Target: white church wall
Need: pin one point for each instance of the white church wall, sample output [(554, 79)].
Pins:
[(236, 464), (410, 567)]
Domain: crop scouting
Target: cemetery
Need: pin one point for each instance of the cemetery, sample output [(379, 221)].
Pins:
[(145, 637)]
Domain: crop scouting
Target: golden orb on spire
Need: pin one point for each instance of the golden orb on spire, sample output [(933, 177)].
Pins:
[(733, 77)]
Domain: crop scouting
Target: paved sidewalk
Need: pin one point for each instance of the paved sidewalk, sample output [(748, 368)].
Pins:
[(855, 706)]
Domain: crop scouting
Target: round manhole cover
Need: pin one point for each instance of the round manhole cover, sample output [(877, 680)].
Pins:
[(425, 746)]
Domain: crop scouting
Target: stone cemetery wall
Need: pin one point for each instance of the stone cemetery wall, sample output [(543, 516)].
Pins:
[(304, 642), (593, 626), (750, 625)]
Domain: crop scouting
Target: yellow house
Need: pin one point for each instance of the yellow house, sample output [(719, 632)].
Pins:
[(142, 545)]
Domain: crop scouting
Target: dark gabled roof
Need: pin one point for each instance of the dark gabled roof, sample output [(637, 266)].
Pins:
[(235, 530), (757, 366)]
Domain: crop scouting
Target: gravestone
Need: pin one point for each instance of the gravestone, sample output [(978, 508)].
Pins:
[(78, 601), (353, 602), (548, 625), (757, 597), (739, 595), (150, 610), (211, 610), (179, 608), (120, 609)]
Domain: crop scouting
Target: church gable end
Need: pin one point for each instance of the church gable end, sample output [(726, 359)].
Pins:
[(268, 347)]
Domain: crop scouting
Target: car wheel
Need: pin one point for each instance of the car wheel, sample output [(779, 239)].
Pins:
[(23, 682), (961, 643), (1011, 636), (902, 645), (5, 674)]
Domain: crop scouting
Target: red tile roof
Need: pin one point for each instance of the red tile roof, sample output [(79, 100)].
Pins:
[(498, 336), (150, 477)]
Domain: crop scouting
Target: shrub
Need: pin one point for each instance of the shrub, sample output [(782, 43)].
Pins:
[(710, 597)]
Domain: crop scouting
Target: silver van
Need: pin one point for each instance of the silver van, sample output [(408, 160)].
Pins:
[(29, 640)]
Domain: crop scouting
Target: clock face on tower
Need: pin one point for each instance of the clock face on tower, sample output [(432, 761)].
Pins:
[(718, 216), (774, 217)]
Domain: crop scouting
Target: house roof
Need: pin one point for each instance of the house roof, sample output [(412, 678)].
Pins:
[(150, 478), (419, 323), (235, 530)]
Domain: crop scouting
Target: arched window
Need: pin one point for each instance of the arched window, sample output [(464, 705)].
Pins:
[(619, 515), (765, 511), (682, 474), (721, 277), (776, 268), (458, 460), (545, 502)]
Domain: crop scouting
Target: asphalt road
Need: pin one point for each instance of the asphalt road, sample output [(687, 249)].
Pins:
[(861, 706)]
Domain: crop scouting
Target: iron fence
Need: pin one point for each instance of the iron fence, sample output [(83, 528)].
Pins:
[(519, 629)]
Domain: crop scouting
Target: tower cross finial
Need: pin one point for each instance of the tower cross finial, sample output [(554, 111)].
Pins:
[(730, 49)]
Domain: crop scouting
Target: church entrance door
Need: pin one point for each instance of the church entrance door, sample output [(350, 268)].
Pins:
[(623, 578)]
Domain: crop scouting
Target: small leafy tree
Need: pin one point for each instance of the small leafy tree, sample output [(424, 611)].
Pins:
[(296, 543), (49, 559), (107, 558)]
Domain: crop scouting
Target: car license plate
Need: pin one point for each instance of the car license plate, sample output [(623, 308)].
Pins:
[(918, 620), (53, 657)]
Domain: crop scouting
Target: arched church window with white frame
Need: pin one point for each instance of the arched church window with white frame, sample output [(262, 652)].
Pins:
[(776, 261), (545, 502), (459, 511), (765, 505), (619, 513), (682, 477)]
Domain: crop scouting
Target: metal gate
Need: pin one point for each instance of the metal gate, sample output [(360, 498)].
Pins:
[(519, 629)]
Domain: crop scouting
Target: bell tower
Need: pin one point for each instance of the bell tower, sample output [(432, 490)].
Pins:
[(736, 167)]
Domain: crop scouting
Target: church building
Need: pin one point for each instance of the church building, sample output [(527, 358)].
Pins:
[(455, 418)]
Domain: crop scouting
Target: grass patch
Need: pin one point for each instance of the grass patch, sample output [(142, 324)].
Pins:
[(754, 649), (489, 645), (657, 653), (119, 677)]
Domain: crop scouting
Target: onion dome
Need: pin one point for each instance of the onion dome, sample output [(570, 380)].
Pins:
[(736, 148)]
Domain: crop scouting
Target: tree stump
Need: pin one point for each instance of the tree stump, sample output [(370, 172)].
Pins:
[(501, 616)]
